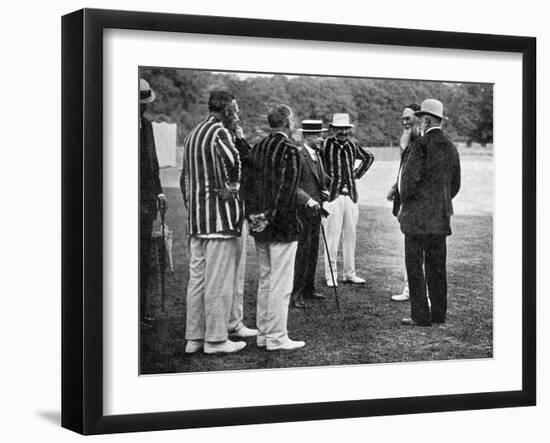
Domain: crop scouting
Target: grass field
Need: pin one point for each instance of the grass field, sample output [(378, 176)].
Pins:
[(367, 329)]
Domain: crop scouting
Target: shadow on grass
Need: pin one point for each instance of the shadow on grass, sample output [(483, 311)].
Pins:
[(367, 329)]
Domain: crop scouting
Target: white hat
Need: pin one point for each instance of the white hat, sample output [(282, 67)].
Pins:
[(433, 107), (146, 94), (340, 121)]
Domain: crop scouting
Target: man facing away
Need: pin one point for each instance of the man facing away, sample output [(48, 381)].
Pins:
[(152, 197), (210, 183), (339, 154), (271, 212), (429, 180), (411, 131)]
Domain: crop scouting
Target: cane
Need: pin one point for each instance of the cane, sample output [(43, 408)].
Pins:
[(162, 260), (329, 263)]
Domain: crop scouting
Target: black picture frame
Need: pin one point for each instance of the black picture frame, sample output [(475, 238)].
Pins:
[(82, 217)]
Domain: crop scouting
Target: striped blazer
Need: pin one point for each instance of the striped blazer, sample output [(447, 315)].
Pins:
[(275, 166), (339, 159), (210, 180)]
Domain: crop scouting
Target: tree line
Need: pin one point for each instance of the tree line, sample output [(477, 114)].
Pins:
[(374, 105)]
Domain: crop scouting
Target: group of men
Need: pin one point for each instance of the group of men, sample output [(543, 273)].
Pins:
[(283, 194)]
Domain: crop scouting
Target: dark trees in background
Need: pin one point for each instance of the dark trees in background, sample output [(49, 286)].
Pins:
[(374, 105)]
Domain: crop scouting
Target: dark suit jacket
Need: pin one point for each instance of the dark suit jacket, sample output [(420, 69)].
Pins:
[(313, 182), (430, 179), (149, 179)]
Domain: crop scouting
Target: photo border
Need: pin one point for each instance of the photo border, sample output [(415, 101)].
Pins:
[(82, 220)]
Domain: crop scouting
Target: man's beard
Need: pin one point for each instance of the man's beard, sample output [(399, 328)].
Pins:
[(415, 133)]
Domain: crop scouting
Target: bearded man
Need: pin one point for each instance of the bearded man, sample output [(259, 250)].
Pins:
[(411, 131)]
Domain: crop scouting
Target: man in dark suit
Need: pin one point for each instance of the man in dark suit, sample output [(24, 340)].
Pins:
[(271, 204), (151, 196), (429, 180), (411, 131), (312, 193)]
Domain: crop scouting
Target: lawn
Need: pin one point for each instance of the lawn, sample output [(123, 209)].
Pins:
[(367, 328)]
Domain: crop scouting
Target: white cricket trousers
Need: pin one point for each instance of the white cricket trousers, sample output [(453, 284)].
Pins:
[(342, 221), (276, 276), (211, 286), (236, 315)]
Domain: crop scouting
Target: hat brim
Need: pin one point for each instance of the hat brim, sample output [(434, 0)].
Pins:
[(149, 99), (312, 131), (340, 126), (419, 113)]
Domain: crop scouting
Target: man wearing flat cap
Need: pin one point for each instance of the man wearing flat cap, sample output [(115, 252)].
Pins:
[(312, 193), (429, 180), (151, 196), (340, 153)]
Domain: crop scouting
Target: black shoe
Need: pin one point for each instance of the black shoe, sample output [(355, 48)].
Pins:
[(411, 322), (315, 296), (299, 305)]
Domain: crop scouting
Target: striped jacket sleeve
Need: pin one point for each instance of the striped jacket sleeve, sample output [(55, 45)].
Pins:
[(366, 158), (288, 181), (228, 157), (331, 160)]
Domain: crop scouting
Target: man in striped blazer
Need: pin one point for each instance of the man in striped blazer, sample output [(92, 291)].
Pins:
[(210, 184), (271, 211), (340, 153)]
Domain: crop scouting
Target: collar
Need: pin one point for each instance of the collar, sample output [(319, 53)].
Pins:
[(433, 127), (280, 132)]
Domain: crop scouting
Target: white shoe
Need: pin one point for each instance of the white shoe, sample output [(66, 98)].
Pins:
[(226, 347), (193, 346), (404, 296), (332, 285), (260, 341), (288, 345), (355, 280), (400, 297), (244, 332)]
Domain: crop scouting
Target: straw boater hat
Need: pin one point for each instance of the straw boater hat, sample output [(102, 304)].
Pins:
[(433, 107), (146, 94), (311, 126), (340, 121)]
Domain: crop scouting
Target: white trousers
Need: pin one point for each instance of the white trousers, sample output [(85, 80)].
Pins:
[(342, 222), (276, 269), (210, 290), (236, 315)]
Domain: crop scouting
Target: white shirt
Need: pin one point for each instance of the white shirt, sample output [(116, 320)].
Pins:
[(312, 153)]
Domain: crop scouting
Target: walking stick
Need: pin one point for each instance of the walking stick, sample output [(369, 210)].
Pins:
[(162, 260), (330, 264)]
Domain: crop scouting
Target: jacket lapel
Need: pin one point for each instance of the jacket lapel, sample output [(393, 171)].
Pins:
[(313, 166)]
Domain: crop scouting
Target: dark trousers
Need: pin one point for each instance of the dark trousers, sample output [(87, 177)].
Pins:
[(146, 241), (426, 263), (305, 264)]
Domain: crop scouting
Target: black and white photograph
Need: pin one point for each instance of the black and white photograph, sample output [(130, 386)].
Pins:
[(275, 222), (299, 221)]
